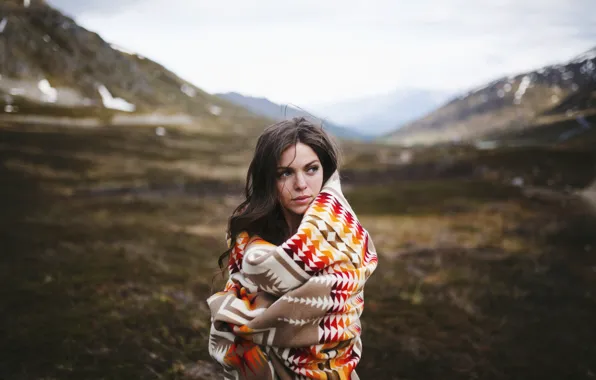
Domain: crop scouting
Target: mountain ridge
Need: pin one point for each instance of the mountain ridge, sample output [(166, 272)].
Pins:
[(509, 103)]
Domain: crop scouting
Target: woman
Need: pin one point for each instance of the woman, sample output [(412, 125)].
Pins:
[(298, 261)]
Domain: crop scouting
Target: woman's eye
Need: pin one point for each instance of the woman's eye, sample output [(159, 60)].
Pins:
[(284, 174), (313, 169)]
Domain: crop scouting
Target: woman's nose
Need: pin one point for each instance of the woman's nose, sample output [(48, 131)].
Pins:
[(300, 181)]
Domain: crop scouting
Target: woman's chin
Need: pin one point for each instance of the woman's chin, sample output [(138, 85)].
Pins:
[(299, 210)]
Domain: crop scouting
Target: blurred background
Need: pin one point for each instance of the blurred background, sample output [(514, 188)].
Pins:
[(469, 138)]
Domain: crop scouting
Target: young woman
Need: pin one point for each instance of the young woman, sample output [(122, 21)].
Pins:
[(298, 260)]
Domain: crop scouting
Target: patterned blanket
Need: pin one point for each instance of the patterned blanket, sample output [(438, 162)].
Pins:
[(293, 311)]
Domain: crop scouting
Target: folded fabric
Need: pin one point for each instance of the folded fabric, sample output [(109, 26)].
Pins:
[(292, 311)]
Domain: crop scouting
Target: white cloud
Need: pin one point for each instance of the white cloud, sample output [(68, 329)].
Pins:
[(307, 52)]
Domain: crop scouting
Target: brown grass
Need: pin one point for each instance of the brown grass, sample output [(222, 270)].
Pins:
[(475, 279)]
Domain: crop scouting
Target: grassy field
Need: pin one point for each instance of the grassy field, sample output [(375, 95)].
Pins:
[(476, 280)]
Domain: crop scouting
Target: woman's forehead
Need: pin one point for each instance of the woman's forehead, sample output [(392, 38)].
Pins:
[(297, 156)]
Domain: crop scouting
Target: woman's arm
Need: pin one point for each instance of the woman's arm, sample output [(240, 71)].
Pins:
[(270, 269)]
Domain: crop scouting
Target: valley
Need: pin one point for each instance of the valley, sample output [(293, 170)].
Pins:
[(114, 210)]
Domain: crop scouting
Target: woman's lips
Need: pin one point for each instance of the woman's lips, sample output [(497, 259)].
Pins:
[(302, 200)]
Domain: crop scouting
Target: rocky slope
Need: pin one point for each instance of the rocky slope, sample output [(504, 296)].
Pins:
[(49, 64), (551, 94)]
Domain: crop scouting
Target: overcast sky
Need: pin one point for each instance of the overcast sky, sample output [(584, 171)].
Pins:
[(309, 52)]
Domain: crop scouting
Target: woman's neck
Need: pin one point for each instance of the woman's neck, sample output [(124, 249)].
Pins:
[(292, 220)]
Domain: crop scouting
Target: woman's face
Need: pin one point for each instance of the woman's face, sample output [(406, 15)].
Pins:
[(299, 179)]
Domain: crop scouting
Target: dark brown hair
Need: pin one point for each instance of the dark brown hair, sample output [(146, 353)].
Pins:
[(260, 213)]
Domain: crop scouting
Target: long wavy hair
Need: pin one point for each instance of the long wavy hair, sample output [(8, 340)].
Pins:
[(261, 213)]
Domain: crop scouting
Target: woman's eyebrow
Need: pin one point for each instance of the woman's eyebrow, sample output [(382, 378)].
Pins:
[(287, 167)]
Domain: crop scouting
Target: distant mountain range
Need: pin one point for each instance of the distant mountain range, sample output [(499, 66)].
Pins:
[(379, 114), (269, 109), (48, 63), (510, 104), (362, 119)]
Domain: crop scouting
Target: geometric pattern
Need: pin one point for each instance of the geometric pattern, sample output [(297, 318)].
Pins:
[(292, 311)]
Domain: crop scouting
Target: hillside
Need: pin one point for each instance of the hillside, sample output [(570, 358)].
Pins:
[(269, 109), (556, 93), (51, 65)]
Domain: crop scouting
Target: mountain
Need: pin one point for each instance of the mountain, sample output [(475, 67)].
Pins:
[(555, 93), (269, 109), (51, 65), (381, 113)]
